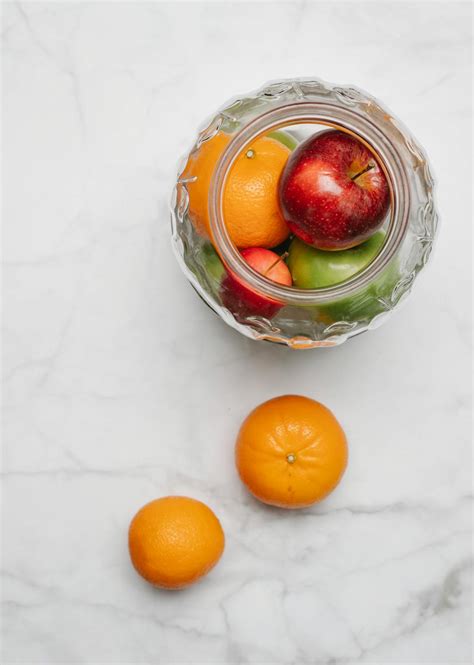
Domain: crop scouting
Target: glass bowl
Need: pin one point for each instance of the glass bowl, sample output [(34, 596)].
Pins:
[(310, 318)]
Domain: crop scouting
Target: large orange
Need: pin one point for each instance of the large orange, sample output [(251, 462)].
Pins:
[(251, 209), (291, 451), (175, 540)]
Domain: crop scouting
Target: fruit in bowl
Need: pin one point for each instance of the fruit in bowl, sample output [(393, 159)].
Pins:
[(365, 303), (333, 192), (284, 137), (340, 195), (211, 262), (313, 268), (240, 299), (252, 213)]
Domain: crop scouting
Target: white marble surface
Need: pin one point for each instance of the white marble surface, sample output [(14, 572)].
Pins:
[(122, 386)]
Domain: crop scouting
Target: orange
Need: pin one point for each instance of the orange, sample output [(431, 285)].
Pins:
[(291, 451), (198, 174), (250, 201), (174, 541)]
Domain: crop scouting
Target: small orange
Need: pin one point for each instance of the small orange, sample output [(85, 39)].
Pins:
[(174, 541), (251, 209), (291, 451)]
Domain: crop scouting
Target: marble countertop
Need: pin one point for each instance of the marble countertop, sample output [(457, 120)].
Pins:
[(121, 386)]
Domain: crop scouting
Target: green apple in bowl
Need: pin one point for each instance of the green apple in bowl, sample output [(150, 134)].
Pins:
[(367, 303), (211, 261), (210, 269), (315, 268), (284, 137)]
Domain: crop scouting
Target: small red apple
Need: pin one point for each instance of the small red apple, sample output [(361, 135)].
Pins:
[(240, 299), (333, 192)]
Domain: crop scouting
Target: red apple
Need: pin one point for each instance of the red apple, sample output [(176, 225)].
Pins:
[(240, 299), (333, 192)]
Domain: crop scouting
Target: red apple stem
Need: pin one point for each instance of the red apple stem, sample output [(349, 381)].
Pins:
[(275, 263), (367, 168)]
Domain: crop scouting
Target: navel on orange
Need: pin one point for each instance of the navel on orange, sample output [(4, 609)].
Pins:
[(291, 451), (250, 200), (174, 541)]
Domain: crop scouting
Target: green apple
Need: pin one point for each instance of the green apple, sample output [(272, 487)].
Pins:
[(314, 268), (211, 263), (284, 137), (366, 303)]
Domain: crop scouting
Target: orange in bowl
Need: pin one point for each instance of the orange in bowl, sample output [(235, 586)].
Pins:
[(291, 451), (250, 201), (174, 541)]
